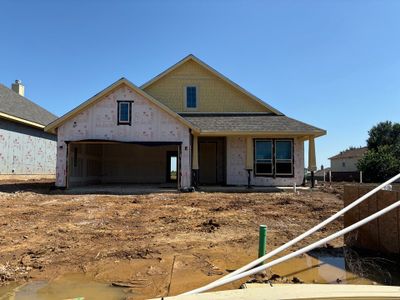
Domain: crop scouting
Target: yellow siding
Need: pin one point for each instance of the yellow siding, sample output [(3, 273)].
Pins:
[(213, 93)]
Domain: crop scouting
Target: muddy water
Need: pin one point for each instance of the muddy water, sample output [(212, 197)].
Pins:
[(70, 286), (315, 267)]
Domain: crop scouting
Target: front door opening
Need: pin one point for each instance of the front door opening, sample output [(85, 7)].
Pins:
[(212, 151), (172, 166)]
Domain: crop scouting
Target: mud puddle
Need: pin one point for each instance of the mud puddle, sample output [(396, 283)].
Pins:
[(334, 266), (320, 269), (330, 266), (70, 286)]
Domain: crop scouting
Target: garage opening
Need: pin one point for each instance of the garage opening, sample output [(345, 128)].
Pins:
[(149, 163)]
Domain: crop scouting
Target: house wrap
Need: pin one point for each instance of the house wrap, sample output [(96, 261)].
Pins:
[(25, 149), (188, 126)]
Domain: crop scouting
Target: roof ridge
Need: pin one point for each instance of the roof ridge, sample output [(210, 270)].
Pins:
[(21, 107), (216, 73), (27, 99)]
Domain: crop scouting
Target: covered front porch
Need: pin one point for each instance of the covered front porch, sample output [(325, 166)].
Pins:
[(250, 149), (253, 160)]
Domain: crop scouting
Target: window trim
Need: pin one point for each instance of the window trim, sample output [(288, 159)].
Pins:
[(185, 96), (129, 122), (273, 174), (284, 160), (271, 160)]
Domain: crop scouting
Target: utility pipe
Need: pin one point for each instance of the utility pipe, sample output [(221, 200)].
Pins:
[(262, 240), (310, 231), (296, 253)]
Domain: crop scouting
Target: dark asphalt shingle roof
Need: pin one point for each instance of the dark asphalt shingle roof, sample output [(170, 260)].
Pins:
[(249, 122), (350, 153), (14, 104)]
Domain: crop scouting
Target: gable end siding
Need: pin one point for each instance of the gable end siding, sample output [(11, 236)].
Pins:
[(214, 94)]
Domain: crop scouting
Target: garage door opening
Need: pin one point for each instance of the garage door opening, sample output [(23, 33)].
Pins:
[(147, 163)]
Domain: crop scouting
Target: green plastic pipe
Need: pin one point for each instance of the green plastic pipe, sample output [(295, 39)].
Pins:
[(262, 242)]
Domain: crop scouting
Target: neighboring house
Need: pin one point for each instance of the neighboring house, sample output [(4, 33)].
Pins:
[(344, 164), (320, 175), (25, 149), (189, 118)]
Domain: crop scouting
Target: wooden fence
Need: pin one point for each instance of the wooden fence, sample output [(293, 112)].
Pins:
[(382, 234)]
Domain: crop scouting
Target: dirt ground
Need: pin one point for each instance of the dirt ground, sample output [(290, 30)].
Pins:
[(160, 244)]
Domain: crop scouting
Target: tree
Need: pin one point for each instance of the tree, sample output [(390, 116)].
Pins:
[(384, 133), (382, 160)]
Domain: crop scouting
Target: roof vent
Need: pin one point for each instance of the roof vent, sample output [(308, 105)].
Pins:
[(18, 87)]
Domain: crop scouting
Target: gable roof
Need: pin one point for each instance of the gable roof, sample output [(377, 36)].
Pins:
[(123, 81), (351, 153), (17, 108), (216, 73), (250, 123), (320, 172)]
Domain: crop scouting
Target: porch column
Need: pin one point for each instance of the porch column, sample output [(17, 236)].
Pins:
[(195, 161), (249, 159), (312, 165)]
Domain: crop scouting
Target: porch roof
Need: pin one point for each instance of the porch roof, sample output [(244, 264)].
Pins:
[(250, 123)]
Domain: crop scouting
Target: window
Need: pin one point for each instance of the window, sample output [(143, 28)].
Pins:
[(124, 112), (283, 157), (191, 97), (273, 157), (263, 157)]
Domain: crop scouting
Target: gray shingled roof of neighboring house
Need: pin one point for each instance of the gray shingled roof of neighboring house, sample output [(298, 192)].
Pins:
[(15, 105), (248, 122), (351, 153)]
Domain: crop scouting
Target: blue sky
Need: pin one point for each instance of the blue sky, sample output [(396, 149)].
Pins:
[(333, 64)]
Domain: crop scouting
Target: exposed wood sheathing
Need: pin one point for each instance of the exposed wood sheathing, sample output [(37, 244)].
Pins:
[(381, 235)]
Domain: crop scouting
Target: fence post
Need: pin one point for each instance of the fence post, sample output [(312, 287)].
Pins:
[(330, 176), (294, 187), (262, 241), (361, 179), (324, 177)]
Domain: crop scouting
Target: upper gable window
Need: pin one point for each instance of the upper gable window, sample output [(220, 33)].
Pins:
[(124, 112), (191, 97)]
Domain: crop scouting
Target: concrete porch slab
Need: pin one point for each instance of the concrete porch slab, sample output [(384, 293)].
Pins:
[(137, 189), (244, 189)]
